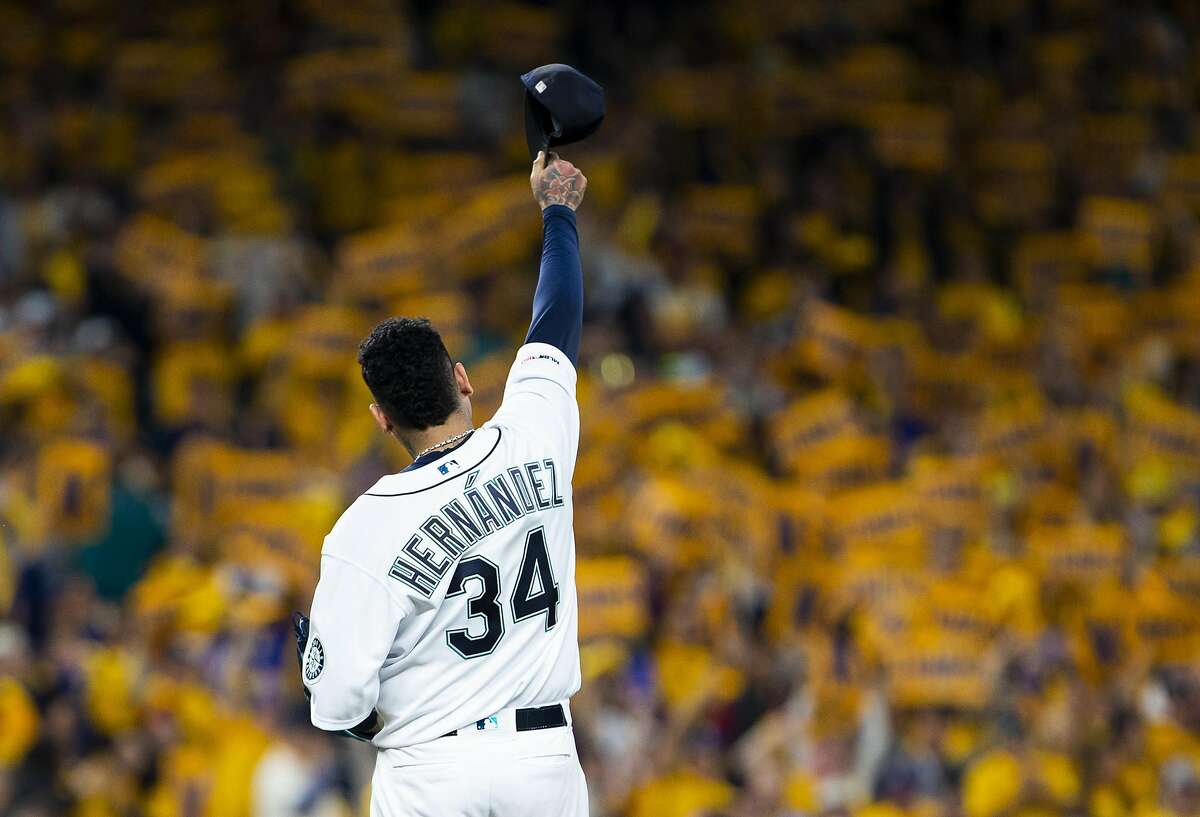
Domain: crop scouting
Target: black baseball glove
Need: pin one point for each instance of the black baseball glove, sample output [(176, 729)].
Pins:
[(300, 628)]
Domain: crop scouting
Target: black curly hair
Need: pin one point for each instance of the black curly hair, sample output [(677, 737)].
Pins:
[(409, 372)]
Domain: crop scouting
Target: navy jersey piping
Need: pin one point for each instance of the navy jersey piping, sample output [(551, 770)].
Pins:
[(462, 473)]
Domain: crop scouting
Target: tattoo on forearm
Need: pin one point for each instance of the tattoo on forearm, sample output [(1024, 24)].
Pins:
[(555, 187)]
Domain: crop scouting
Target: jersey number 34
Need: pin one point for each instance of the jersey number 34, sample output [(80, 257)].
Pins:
[(535, 593)]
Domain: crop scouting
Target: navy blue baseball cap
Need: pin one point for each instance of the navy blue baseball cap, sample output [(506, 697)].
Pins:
[(561, 106)]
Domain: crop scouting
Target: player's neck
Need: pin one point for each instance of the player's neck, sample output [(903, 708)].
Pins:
[(449, 433)]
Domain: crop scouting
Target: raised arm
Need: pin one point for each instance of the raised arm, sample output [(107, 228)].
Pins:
[(558, 300)]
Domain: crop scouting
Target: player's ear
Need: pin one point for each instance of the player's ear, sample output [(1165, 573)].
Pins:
[(464, 383), (381, 418)]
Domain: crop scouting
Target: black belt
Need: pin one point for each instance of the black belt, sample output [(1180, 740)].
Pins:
[(538, 717)]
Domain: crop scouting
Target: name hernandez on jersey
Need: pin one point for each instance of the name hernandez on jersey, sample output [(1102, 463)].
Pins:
[(482, 511), (432, 582)]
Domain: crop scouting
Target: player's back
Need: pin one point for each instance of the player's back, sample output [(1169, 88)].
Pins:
[(473, 557)]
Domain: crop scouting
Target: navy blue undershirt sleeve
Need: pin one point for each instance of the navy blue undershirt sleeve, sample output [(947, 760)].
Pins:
[(558, 300)]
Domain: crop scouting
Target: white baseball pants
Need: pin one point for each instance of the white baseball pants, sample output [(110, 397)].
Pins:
[(494, 771)]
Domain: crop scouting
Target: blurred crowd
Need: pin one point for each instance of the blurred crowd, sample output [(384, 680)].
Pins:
[(888, 498)]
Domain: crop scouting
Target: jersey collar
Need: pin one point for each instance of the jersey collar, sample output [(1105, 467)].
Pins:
[(433, 456), (427, 472)]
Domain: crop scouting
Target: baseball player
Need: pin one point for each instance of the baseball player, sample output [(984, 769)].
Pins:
[(443, 628)]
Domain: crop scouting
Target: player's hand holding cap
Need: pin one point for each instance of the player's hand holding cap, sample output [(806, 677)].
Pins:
[(561, 106), (556, 181)]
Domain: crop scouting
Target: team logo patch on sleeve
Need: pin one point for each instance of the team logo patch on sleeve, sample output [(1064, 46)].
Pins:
[(314, 660)]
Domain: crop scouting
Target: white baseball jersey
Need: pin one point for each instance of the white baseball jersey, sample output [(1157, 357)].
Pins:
[(447, 593)]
